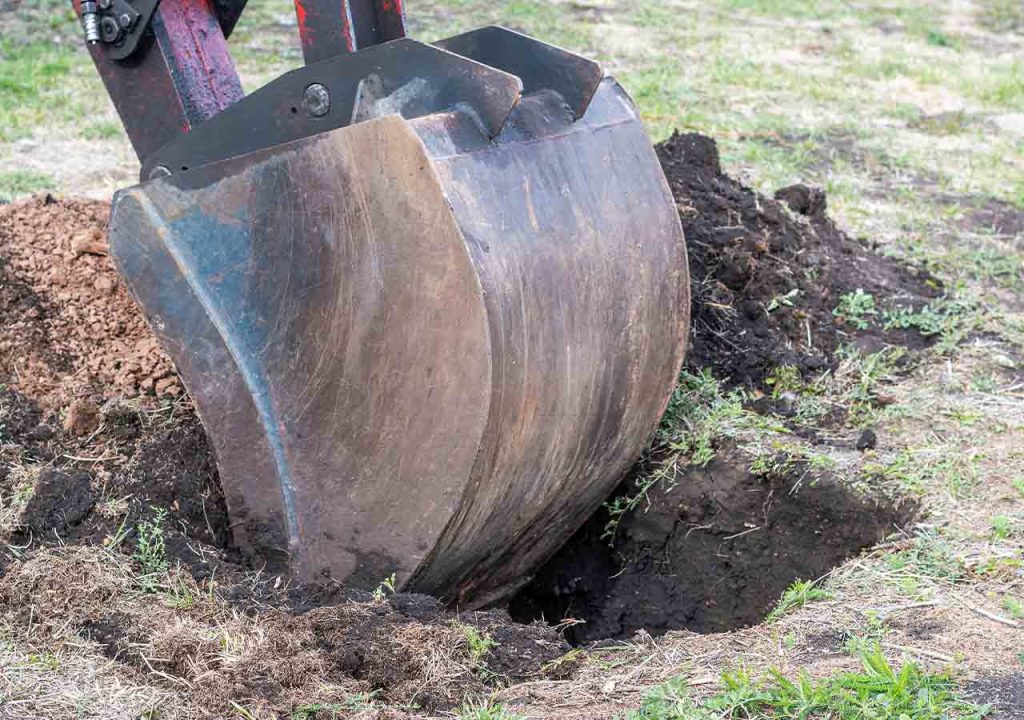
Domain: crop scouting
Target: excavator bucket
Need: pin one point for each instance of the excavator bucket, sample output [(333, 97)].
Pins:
[(430, 302)]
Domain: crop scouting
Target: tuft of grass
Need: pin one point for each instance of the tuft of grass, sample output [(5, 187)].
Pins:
[(1014, 607), (797, 595), (479, 643), (923, 470), (1004, 527), (938, 38), (856, 309), (696, 414), (151, 551), (951, 317), (858, 379), (877, 691), (928, 555), (23, 182), (1018, 485), (386, 588), (486, 710)]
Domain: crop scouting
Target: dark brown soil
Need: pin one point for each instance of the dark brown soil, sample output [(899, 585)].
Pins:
[(1005, 693), (91, 418), (712, 552), (748, 252), (85, 489)]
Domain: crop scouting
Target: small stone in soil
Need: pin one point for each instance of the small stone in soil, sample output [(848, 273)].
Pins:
[(868, 440), (92, 242), (83, 417)]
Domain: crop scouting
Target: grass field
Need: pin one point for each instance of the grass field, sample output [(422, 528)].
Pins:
[(910, 114)]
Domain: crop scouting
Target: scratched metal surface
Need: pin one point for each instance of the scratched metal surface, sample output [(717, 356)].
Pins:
[(575, 237), (417, 349), (323, 312)]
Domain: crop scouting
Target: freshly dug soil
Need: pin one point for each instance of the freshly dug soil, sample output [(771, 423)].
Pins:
[(84, 489), (68, 328), (213, 625), (713, 551), (96, 432), (748, 253)]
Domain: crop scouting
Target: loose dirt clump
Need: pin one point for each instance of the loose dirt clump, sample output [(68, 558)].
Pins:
[(767, 274), (68, 328), (58, 487), (713, 550)]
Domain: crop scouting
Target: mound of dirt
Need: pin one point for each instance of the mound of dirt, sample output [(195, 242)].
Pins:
[(68, 328), (766, 274), (713, 550)]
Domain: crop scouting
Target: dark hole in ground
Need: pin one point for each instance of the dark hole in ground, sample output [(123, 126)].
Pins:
[(713, 551)]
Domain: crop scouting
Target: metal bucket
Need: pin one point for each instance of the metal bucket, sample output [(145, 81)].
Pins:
[(419, 346)]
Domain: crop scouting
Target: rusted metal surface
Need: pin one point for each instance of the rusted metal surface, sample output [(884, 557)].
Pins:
[(181, 76), (418, 350), (328, 28)]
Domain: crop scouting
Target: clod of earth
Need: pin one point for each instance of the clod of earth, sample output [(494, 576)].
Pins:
[(59, 501), (82, 418), (767, 274)]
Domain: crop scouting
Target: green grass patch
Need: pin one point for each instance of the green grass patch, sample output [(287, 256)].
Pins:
[(102, 130), (795, 596), (879, 691), (23, 182), (856, 309), (151, 551), (928, 555), (927, 470), (32, 76), (486, 710)]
